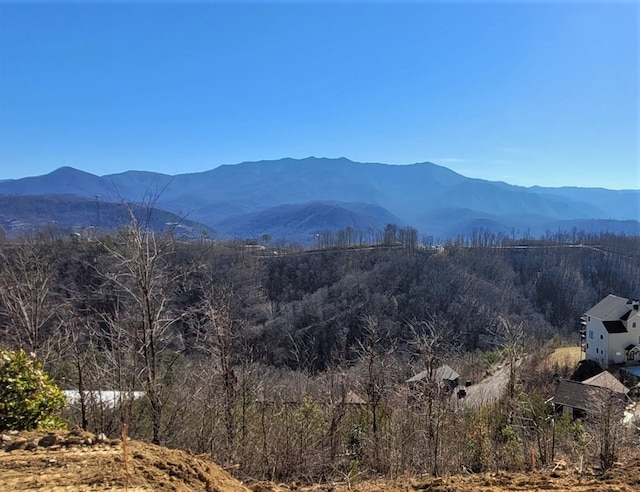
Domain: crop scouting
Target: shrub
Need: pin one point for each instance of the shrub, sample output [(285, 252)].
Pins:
[(29, 398)]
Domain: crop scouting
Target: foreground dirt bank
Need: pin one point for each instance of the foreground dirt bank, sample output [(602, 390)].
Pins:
[(80, 461)]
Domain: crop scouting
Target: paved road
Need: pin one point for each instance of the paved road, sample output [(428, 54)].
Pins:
[(489, 390)]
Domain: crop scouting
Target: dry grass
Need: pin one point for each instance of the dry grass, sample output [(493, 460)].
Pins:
[(565, 357)]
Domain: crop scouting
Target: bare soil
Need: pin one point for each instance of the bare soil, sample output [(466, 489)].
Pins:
[(79, 461)]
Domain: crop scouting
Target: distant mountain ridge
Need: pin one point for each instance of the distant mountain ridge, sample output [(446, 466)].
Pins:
[(291, 198), (74, 214)]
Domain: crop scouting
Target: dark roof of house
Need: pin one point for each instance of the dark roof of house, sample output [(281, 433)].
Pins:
[(629, 347), (606, 306), (625, 316), (616, 326), (574, 394)]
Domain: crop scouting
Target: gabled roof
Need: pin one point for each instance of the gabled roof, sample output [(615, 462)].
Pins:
[(606, 307), (418, 377), (614, 326), (443, 373), (607, 380), (574, 394), (582, 396), (353, 399)]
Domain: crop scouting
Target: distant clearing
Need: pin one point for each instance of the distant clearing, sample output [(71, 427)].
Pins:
[(565, 357)]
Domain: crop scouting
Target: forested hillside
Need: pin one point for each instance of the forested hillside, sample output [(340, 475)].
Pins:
[(249, 353)]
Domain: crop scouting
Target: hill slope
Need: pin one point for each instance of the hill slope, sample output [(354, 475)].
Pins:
[(71, 213), (305, 220)]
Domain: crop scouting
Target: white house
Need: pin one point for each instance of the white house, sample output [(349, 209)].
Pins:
[(611, 331)]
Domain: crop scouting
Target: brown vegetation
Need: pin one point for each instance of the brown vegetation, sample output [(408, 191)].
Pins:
[(249, 358)]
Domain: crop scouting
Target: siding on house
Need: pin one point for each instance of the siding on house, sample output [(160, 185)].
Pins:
[(612, 331)]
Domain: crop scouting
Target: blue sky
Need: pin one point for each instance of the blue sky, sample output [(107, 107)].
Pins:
[(524, 92)]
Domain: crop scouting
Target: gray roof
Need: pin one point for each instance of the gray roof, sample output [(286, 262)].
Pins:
[(352, 398), (443, 373), (606, 306), (607, 380), (419, 377), (574, 394), (582, 396)]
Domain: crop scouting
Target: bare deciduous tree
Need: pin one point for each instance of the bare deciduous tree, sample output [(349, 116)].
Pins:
[(373, 352), (604, 423), (26, 278), (432, 342), (142, 276), (217, 341), (511, 339)]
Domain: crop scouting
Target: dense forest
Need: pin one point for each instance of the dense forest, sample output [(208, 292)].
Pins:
[(292, 363)]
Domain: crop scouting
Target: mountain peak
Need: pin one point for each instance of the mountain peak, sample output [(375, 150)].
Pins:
[(68, 171), (416, 194)]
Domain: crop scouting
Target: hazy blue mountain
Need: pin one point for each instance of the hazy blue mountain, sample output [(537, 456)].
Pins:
[(65, 180), (620, 205), (302, 222), (434, 199)]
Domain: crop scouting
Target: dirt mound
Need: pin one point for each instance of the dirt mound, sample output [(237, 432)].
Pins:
[(620, 479), (623, 477), (81, 461)]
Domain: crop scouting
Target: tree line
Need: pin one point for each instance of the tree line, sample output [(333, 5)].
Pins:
[(294, 365)]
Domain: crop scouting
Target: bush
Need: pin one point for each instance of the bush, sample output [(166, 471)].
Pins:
[(29, 398)]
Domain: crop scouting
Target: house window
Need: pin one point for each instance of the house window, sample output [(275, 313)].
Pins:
[(597, 350), (601, 337), (588, 318), (634, 324), (590, 333)]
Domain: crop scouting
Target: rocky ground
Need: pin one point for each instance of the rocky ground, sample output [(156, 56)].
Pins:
[(81, 461)]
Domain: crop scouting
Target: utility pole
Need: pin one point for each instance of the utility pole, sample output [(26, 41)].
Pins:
[(97, 215)]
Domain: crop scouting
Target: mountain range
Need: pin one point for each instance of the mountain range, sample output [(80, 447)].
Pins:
[(294, 199)]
